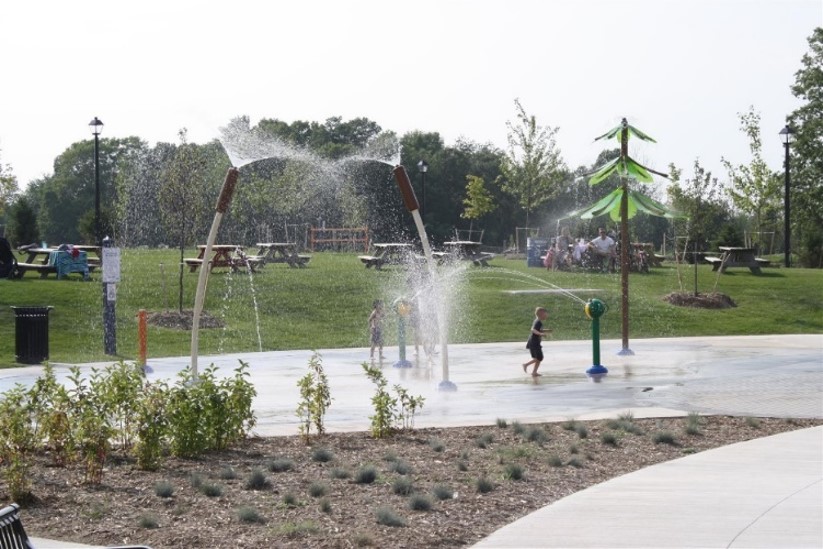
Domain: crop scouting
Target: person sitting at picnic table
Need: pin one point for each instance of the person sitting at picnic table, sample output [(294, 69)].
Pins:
[(562, 246), (603, 247)]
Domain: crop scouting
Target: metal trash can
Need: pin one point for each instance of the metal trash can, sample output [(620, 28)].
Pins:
[(31, 334), (535, 247)]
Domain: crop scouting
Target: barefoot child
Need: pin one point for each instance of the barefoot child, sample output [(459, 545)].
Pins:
[(376, 328), (535, 338)]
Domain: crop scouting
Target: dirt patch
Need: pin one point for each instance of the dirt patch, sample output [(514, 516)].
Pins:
[(182, 321), (317, 501), (713, 300)]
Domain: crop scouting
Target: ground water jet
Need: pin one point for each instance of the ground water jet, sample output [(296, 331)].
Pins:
[(411, 203), (594, 309)]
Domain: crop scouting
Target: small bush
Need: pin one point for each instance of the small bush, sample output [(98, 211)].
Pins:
[(513, 471), (442, 492), (581, 430), (148, 521), (464, 454), (322, 455), (664, 437), (569, 425), (609, 438), (249, 515), (402, 486), (325, 506), (366, 475), (536, 435), (555, 461), (363, 540), (574, 449), (692, 424), (484, 440), (227, 473), (211, 490), (339, 472), (575, 462), (436, 445), (401, 467), (388, 517), (502, 423), (462, 466), (280, 465), (484, 485), (196, 480), (163, 489), (257, 481), (419, 502), (518, 428), (753, 422), (390, 456), (290, 500), (318, 489), (296, 529)]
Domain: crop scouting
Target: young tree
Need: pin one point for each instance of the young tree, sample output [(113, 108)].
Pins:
[(479, 201), (8, 188), (532, 168), (181, 202), (807, 156), (754, 187), (22, 223)]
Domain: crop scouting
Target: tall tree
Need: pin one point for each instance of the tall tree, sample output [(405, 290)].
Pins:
[(532, 167), (22, 223), (807, 156), (755, 189)]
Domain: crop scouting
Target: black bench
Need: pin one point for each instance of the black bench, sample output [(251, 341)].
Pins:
[(13, 535)]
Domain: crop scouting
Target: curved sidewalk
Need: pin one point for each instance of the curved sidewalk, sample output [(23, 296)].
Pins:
[(765, 492)]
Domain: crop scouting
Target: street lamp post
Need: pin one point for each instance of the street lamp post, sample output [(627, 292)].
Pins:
[(423, 167), (787, 135), (109, 334)]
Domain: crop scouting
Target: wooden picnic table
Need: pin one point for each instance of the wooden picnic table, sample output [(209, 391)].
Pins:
[(388, 253), (469, 251), (223, 255), (280, 252), (732, 256)]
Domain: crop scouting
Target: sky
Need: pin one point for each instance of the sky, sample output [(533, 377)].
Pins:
[(680, 71)]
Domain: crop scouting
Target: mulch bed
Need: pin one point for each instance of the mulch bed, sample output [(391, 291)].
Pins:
[(712, 300)]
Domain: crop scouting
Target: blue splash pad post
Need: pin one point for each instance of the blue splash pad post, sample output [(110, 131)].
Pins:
[(594, 309)]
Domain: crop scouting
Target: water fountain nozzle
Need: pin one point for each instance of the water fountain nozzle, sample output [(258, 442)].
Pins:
[(227, 191), (406, 189), (594, 309)]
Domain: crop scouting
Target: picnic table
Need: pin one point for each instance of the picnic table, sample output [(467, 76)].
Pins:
[(469, 251), (223, 255), (732, 256), (280, 252), (52, 260), (389, 253)]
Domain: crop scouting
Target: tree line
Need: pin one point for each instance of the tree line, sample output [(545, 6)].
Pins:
[(165, 194)]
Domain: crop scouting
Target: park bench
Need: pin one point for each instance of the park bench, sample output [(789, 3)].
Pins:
[(13, 535), (715, 262), (44, 270)]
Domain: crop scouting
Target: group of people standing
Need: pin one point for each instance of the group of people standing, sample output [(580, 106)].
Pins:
[(600, 252)]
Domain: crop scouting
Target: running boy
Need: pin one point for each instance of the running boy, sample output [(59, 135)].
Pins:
[(535, 339), (376, 328)]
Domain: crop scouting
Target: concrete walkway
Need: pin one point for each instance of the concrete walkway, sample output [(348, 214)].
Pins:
[(774, 376)]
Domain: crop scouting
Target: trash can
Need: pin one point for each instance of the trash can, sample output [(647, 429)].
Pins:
[(534, 248), (31, 334)]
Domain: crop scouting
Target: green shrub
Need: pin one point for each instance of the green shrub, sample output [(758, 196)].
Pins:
[(502, 423), (325, 506), (536, 435), (484, 485), (420, 502), (436, 445), (148, 521), (581, 430), (366, 475), (513, 471), (163, 489), (753, 422), (570, 425), (318, 489), (227, 473), (280, 465), (290, 500), (340, 473), (664, 437), (484, 440), (257, 480), (518, 428), (462, 466), (555, 461), (401, 467), (402, 486), (322, 455), (442, 492), (575, 462), (388, 517), (211, 490), (693, 424), (608, 438), (249, 515), (315, 398)]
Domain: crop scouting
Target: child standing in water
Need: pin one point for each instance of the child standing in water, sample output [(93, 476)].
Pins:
[(376, 328), (534, 344)]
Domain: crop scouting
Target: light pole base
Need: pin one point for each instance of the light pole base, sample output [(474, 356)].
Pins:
[(625, 352), (447, 386), (403, 364)]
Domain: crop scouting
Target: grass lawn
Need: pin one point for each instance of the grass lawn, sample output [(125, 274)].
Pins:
[(326, 305)]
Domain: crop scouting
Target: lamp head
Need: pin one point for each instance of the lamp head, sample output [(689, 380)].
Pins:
[(96, 126), (787, 135), (423, 166)]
